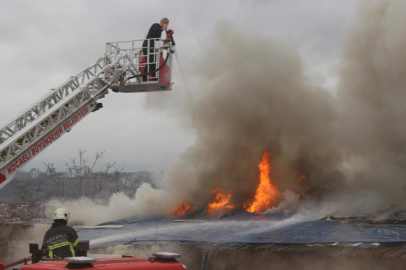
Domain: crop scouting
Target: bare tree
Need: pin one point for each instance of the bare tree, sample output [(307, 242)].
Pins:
[(57, 179), (129, 185), (106, 181), (79, 179), (80, 172), (117, 184), (30, 197)]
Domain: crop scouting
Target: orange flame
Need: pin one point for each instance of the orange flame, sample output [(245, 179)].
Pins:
[(182, 208), (302, 177), (266, 192), (221, 203)]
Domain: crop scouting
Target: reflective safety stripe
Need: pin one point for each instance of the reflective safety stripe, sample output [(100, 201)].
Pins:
[(72, 250), (76, 242), (66, 243), (59, 245), (51, 248)]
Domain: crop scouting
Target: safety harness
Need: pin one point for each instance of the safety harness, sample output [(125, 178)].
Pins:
[(59, 245)]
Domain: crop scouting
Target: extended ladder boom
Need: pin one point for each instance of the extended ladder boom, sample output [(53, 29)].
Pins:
[(31, 131)]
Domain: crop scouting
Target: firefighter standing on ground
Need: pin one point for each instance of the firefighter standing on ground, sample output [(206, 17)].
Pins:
[(60, 240), (148, 46)]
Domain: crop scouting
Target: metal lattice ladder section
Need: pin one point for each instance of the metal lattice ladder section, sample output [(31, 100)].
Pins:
[(32, 130)]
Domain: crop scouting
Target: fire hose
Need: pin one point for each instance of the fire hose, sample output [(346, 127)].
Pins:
[(145, 74)]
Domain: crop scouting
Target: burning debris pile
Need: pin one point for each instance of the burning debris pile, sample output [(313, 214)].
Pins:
[(266, 196), (182, 209), (221, 203)]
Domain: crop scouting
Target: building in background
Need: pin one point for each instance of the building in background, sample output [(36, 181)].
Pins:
[(75, 172), (85, 170), (34, 173), (50, 171)]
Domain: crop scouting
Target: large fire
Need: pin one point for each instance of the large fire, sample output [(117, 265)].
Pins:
[(182, 208), (221, 202), (266, 192), (265, 197)]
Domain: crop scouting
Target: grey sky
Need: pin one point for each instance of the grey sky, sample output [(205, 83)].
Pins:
[(43, 43)]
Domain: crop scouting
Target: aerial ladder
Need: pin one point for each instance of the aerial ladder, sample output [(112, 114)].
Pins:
[(124, 68)]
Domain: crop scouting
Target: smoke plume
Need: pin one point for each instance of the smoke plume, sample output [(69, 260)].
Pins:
[(148, 201), (251, 96), (288, 203), (371, 95), (18, 238)]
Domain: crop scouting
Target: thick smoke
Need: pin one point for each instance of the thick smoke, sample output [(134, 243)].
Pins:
[(147, 202), (288, 203), (252, 96), (372, 95), (18, 237)]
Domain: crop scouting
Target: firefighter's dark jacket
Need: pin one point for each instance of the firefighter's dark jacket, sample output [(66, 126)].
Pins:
[(60, 240), (154, 32)]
